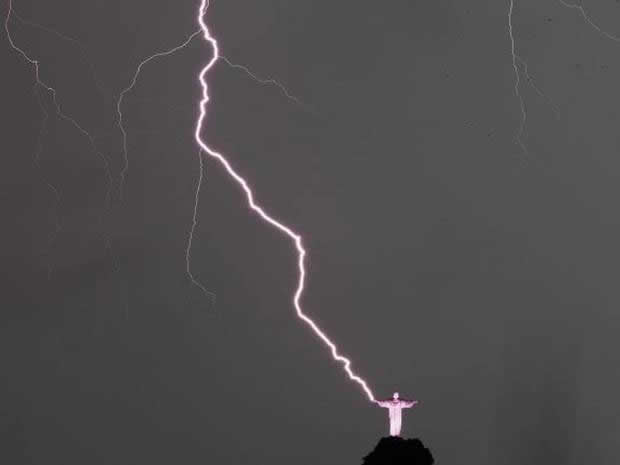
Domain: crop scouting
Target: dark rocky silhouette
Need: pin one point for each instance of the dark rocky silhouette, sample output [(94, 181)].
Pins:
[(399, 451)]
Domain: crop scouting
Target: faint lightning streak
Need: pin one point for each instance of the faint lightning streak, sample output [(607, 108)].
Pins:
[(264, 81), (43, 130), (530, 81), (517, 81), (296, 238), (52, 188), (127, 89), (188, 249), (588, 20), (100, 86), (59, 112)]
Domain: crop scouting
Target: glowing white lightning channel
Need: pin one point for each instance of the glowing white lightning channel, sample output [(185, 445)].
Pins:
[(292, 235)]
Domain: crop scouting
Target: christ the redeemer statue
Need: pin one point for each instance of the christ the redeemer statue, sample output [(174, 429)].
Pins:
[(395, 405)]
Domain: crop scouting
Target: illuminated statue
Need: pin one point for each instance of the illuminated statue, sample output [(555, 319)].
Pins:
[(395, 405)]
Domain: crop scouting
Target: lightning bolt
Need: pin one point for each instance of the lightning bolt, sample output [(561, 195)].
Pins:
[(294, 237), (204, 149)]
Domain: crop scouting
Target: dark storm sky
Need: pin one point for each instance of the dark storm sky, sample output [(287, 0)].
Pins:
[(448, 264)]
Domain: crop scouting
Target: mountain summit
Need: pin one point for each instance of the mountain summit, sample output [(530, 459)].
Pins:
[(395, 450)]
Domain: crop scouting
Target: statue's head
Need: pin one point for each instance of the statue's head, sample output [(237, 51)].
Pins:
[(396, 396)]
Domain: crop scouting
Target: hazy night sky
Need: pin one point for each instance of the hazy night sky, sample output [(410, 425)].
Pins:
[(446, 262)]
